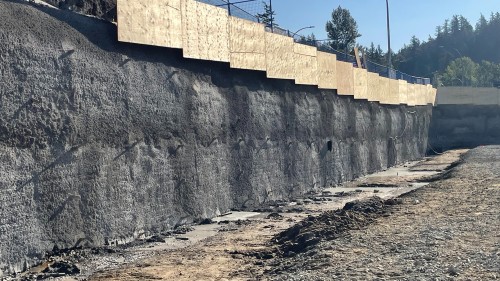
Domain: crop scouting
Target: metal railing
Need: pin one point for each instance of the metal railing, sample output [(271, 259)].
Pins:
[(234, 9)]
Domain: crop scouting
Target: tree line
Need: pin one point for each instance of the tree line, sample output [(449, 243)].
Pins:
[(459, 54)]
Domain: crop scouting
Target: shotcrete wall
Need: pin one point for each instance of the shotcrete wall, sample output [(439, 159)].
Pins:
[(464, 126), (465, 117), (101, 141)]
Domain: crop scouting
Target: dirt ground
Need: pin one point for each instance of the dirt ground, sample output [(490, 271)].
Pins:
[(447, 230)]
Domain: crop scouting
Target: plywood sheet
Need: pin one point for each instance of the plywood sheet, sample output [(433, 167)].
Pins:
[(434, 96), (306, 64), (422, 95), (384, 93), (279, 56), (305, 50), (205, 31), (155, 22), (327, 70), (247, 44), (412, 94), (428, 94), (403, 92), (393, 91), (360, 83), (373, 86), (345, 78)]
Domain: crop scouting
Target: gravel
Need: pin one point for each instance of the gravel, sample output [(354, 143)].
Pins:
[(451, 234)]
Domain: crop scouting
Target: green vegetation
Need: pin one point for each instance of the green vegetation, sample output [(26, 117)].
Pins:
[(342, 30), (268, 16), (459, 54), (308, 40)]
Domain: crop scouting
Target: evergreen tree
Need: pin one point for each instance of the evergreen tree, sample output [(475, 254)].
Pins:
[(268, 16), (308, 40), (342, 29), (455, 38)]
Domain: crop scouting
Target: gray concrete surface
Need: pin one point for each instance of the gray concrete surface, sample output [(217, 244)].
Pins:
[(465, 117), (102, 142), (464, 126), (468, 95)]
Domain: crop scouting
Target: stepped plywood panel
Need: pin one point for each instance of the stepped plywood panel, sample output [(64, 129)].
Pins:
[(247, 44), (393, 92), (412, 94), (421, 95), (430, 94), (279, 56), (360, 83), (384, 93), (373, 86), (306, 64), (155, 22), (403, 91), (327, 70), (345, 78), (205, 31)]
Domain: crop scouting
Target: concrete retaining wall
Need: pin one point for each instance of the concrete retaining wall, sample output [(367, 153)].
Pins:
[(465, 117), (464, 126), (468, 95), (102, 142)]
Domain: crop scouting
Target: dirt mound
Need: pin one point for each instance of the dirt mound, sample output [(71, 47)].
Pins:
[(105, 9), (331, 225)]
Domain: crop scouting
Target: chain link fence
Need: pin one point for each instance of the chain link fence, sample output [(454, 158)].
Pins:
[(250, 9)]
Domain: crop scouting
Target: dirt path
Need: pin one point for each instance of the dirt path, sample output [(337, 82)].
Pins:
[(438, 231), (445, 231)]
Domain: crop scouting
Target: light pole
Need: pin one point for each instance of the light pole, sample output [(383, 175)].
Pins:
[(389, 63), (295, 33), (272, 16)]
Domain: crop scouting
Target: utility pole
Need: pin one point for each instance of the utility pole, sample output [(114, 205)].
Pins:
[(389, 63), (272, 16)]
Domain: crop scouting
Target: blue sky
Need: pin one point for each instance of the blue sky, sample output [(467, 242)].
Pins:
[(408, 18)]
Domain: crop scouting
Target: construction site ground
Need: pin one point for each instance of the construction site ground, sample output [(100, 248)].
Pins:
[(436, 219)]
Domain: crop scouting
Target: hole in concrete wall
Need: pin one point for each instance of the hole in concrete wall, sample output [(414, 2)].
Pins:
[(329, 144)]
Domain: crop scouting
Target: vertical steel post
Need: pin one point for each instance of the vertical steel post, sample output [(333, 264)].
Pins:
[(389, 64), (229, 7), (272, 16)]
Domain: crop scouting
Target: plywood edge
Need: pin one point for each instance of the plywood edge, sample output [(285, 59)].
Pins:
[(327, 70)]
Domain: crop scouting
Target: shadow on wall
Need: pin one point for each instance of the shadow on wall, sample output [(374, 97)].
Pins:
[(463, 126)]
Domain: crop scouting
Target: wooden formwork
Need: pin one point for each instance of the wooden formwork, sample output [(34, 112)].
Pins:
[(360, 83), (373, 87), (247, 44), (403, 91), (279, 56), (345, 78), (306, 64), (384, 91), (155, 22), (205, 31), (327, 70)]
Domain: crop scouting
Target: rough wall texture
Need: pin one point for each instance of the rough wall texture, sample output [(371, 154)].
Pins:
[(464, 126), (101, 142), (105, 9)]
